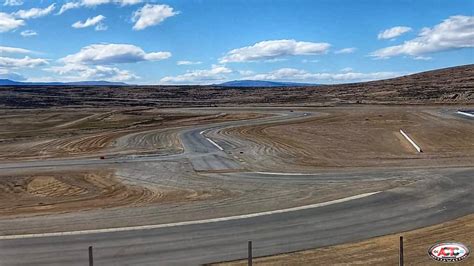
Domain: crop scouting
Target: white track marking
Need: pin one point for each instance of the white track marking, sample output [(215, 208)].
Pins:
[(411, 141), (215, 144), (202, 132), (214, 220), (465, 113), (273, 173)]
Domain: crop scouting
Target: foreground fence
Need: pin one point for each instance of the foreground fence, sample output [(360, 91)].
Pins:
[(250, 254)]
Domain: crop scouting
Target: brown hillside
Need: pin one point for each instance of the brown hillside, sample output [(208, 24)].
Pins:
[(449, 85)]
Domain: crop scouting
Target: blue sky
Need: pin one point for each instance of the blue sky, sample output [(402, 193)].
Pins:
[(211, 41)]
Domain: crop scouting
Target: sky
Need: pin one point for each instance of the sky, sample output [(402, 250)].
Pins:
[(213, 41)]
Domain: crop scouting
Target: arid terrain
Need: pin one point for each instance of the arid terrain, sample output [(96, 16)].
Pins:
[(358, 137), (93, 158), (450, 85)]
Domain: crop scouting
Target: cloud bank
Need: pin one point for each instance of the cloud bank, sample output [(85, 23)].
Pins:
[(203, 76), (456, 32), (107, 54), (274, 49)]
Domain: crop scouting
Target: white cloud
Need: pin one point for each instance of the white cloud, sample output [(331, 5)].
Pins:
[(93, 3), (347, 69), (188, 63), (393, 32), (157, 56), (246, 72), (203, 76), (106, 54), (151, 15), (310, 61), (9, 62), (292, 74), (94, 62), (349, 50), (273, 49), (456, 32), (101, 27), (273, 60), (95, 21), (13, 50), (9, 22), (6, 74), (78, 72), (425, 58), (17, 19), (35, 12), (13, 3), (28, 33), (129, 2), (68, 6)]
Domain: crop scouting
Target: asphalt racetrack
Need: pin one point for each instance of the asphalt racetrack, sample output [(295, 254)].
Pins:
[(444, 196)]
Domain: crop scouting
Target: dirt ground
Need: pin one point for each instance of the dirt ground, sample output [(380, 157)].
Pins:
[(46, 192), (56, 192), (357, 137), (381, 250)]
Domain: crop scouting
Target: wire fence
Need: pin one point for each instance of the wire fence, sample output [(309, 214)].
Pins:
[(250, 254)]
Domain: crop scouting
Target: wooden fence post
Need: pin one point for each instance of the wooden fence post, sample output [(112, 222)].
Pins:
[(400, 263), (250, 256), (91, 257)]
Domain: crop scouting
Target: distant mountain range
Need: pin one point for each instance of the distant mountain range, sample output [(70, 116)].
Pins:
[(234, 83), (262, 83), (8, 82)]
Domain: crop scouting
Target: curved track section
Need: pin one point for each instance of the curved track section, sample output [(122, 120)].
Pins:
[(405, 208)]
